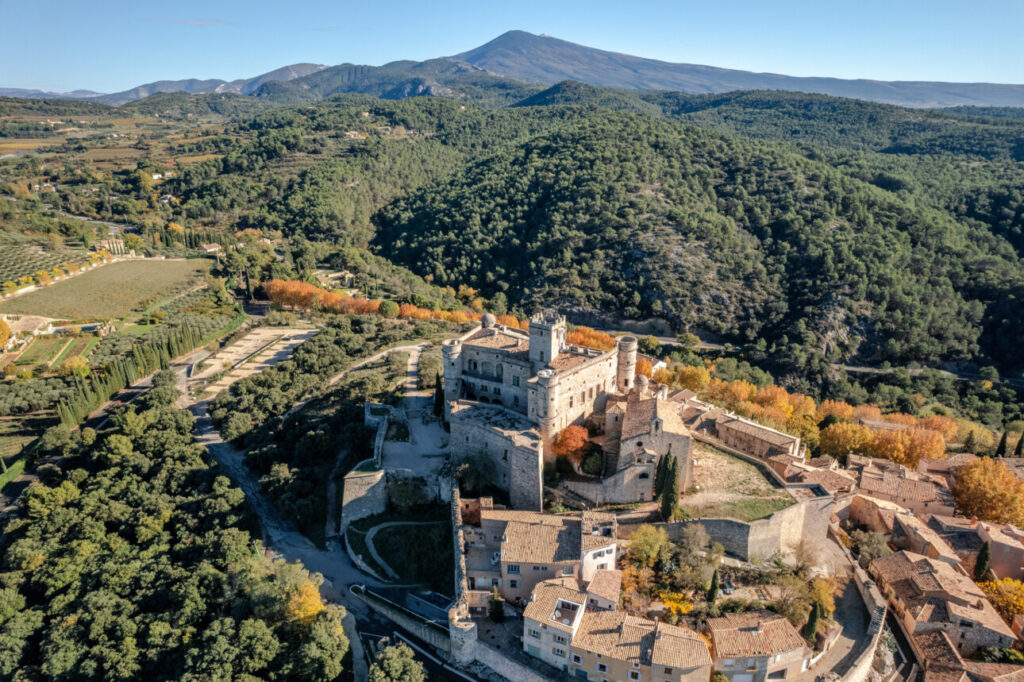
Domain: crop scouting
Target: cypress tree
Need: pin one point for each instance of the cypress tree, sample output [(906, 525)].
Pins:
[(438, 396), (1019, 450), (970, 444), (982, 562), (713, 590), (1001, 449), (659, 475), (670, 490), (811, 627)]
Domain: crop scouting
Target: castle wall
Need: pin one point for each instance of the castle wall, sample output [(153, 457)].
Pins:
[(512, 467), (780, 533), (632, 484), (492, 376), (571, 396)]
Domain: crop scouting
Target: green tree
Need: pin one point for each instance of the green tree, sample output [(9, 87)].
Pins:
[(981, 564), (712, 594), (496, 607), (670, 490), (389, 309), (970, 442), (396, 663), (646, 545), (1001, 448), (438, 396), (811, 627)]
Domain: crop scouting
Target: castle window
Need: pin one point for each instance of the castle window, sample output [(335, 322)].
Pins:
[(515, 381), (542, 356), (515, 400), (497, 391), (570, 401), (513, 584)]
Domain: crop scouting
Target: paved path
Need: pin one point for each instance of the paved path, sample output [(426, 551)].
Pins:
[(372, 533)]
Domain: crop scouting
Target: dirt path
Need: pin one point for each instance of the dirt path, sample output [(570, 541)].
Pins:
[(331, 523)]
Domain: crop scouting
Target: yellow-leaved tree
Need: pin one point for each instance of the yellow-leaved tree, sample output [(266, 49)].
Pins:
[(843, 437), (304, 605), (1006, 595), (985, 489)]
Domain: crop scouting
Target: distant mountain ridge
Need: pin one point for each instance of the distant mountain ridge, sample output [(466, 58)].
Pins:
[(517, 64), (543, 59), (244, 86)]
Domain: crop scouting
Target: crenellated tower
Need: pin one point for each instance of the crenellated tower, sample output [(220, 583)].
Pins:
[(451, 353), (547, 338)]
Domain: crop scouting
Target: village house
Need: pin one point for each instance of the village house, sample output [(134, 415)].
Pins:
[(874, 514), (757, 646), (945, 468), (888, 480), (914, 535), (740, 433), (929, 595), (1006, 544), (515, 550), (943, 663), (210, 248), (562, 629)]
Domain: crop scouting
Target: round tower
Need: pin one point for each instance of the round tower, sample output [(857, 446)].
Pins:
[(547, 408), (626, 372), (451, 354)]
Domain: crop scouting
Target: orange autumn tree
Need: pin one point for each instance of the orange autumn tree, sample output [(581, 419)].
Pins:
[(591, 338), (942, 425), (571, 442), (843, 437), (693, 378), (643, 367), (986, 489), (840, 409)]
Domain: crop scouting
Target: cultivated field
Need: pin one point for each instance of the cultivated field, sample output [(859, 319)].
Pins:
[(42, 350), (22, 256), (731, 488), (111, 291)]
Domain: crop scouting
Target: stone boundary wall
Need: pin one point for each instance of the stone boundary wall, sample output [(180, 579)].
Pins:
[(779, 533), (431, 633), (360, 564), (364, 493), (875, 604)]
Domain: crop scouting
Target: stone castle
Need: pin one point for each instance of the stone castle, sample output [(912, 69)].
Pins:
[(508, 393)]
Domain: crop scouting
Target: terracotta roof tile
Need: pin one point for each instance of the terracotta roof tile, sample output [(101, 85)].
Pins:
[(606, 584), (754, 633)]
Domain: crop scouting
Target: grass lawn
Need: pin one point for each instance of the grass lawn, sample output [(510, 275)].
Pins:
[(731, 488), (111, 291)]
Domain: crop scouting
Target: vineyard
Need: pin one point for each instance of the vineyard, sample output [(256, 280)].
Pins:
[(22, 256)]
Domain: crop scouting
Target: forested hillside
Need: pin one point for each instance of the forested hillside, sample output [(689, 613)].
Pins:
[(820, 229)]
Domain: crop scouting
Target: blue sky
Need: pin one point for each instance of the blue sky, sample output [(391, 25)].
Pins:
[(112, 45)]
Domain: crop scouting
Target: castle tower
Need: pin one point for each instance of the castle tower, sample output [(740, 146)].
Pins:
[(547, 338), (451, 354), (626, 371), (547, 407)]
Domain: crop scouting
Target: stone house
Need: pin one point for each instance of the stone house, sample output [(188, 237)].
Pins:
[(515, 550), (914, 535), (874, 514), (560, 628), (756, 646), (929, 595), (738, 432), (1006, 544), (919, 493)]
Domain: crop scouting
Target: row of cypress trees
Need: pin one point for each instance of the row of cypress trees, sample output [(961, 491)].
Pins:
[(146, 357)]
